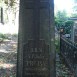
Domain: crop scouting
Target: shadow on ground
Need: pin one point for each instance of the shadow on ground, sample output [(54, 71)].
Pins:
[(8, 59)]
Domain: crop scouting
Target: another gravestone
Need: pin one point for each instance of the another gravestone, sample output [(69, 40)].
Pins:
[(36, 56), (74, 32)]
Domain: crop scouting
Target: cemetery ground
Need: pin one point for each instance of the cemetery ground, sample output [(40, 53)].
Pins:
[(8, 60), (8, 57), (62, 69)]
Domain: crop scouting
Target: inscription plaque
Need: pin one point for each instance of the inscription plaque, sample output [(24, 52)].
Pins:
[(36, 59)]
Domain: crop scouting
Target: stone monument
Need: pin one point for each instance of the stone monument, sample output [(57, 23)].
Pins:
[(36, 55)]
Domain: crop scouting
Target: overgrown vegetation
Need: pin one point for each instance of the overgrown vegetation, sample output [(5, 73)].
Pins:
[(8, 36), (57, 45), (3, 36), (62, 21)]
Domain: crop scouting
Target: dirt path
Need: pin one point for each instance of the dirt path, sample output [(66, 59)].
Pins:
[(8, 59)]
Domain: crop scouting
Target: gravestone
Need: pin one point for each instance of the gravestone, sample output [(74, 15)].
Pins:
[(74, 32), (36, 56)]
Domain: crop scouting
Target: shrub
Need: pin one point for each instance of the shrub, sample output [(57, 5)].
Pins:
[(57, 45), (3, 36)]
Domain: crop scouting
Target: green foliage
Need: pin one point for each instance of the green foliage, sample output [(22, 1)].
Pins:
[(67, 27), (3, 36), (6, 2), (15, 35), (75, 9), (62, 16), (61, 21), (74, 15), (11, 3), (57, 45)]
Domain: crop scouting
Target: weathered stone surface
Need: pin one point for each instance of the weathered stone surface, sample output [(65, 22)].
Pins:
[(36, 56), (35, 59)]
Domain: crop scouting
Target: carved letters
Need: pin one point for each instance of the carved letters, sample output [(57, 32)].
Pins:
[(35, 60)]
